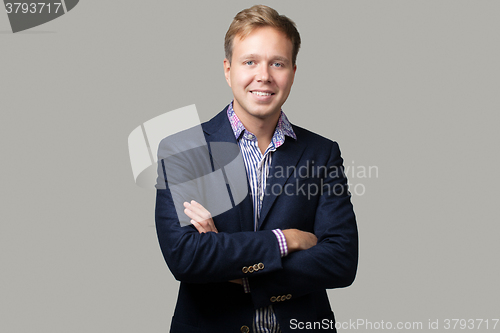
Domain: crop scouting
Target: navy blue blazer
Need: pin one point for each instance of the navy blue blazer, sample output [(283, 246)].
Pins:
[(296, 284)]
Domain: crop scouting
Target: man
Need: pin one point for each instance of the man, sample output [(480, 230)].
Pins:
[(265, 264)]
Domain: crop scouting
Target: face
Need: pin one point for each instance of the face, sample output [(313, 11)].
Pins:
[(260, 74)]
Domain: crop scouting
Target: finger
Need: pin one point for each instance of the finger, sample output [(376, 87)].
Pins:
[(200, 210), (193, 215), (198, 227), (212, 226), (204, 227), (208, 225), (196, 213), (201, 225)]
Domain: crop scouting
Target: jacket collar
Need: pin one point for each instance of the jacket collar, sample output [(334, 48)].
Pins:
[(218, 128)]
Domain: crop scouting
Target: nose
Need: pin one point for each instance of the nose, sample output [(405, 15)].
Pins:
[(263, 74)]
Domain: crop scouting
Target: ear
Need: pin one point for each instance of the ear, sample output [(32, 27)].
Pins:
[(227, 71), (294, 70)]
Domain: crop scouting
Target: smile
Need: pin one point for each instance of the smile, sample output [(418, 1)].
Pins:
[(261, 93)]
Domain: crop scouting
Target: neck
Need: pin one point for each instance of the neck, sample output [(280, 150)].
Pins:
[(262, 128)]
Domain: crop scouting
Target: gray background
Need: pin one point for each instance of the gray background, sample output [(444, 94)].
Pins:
[(411, 87)]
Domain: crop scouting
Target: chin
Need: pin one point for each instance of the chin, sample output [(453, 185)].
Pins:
[(266, 111), (264, 114)]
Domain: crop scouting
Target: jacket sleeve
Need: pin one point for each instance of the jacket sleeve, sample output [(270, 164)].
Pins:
[(210, 257), (332, 263), (207, 257)]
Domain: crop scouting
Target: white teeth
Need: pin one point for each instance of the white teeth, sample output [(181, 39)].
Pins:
[(259, 93)]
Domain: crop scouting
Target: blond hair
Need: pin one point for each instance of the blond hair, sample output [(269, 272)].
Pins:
[(256, 17)]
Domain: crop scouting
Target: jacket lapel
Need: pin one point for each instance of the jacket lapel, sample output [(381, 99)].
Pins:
[(284, 157), (218, 129)]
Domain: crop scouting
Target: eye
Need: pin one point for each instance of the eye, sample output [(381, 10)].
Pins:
[(278, 64), (249, 62)]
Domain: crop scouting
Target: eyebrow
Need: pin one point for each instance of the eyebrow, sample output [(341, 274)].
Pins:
[(252, 55)]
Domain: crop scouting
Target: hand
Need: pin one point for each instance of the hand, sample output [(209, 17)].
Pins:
[(297, 240), (200, 217)]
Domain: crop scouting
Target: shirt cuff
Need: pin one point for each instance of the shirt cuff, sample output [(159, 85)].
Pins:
[(282, 242), (246, 285)]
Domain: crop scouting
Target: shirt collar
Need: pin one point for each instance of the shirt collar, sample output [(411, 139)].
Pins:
[(283, 128)]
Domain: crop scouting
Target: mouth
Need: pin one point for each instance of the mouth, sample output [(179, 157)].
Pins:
[(261, 93)]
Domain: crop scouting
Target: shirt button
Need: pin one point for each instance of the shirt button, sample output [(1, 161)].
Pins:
[(250, 137)]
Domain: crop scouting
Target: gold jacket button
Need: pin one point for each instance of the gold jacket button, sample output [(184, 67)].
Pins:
[(261, 265), (288, 296), (250, 269), (244, 329), (256, 267), (273, 299), (245, 269)]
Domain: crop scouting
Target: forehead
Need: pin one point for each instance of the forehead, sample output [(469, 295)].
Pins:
[(263, 40)]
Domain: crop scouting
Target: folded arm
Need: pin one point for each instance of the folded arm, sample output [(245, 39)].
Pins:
[(332, 263), (210, 257), (200, 254)]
